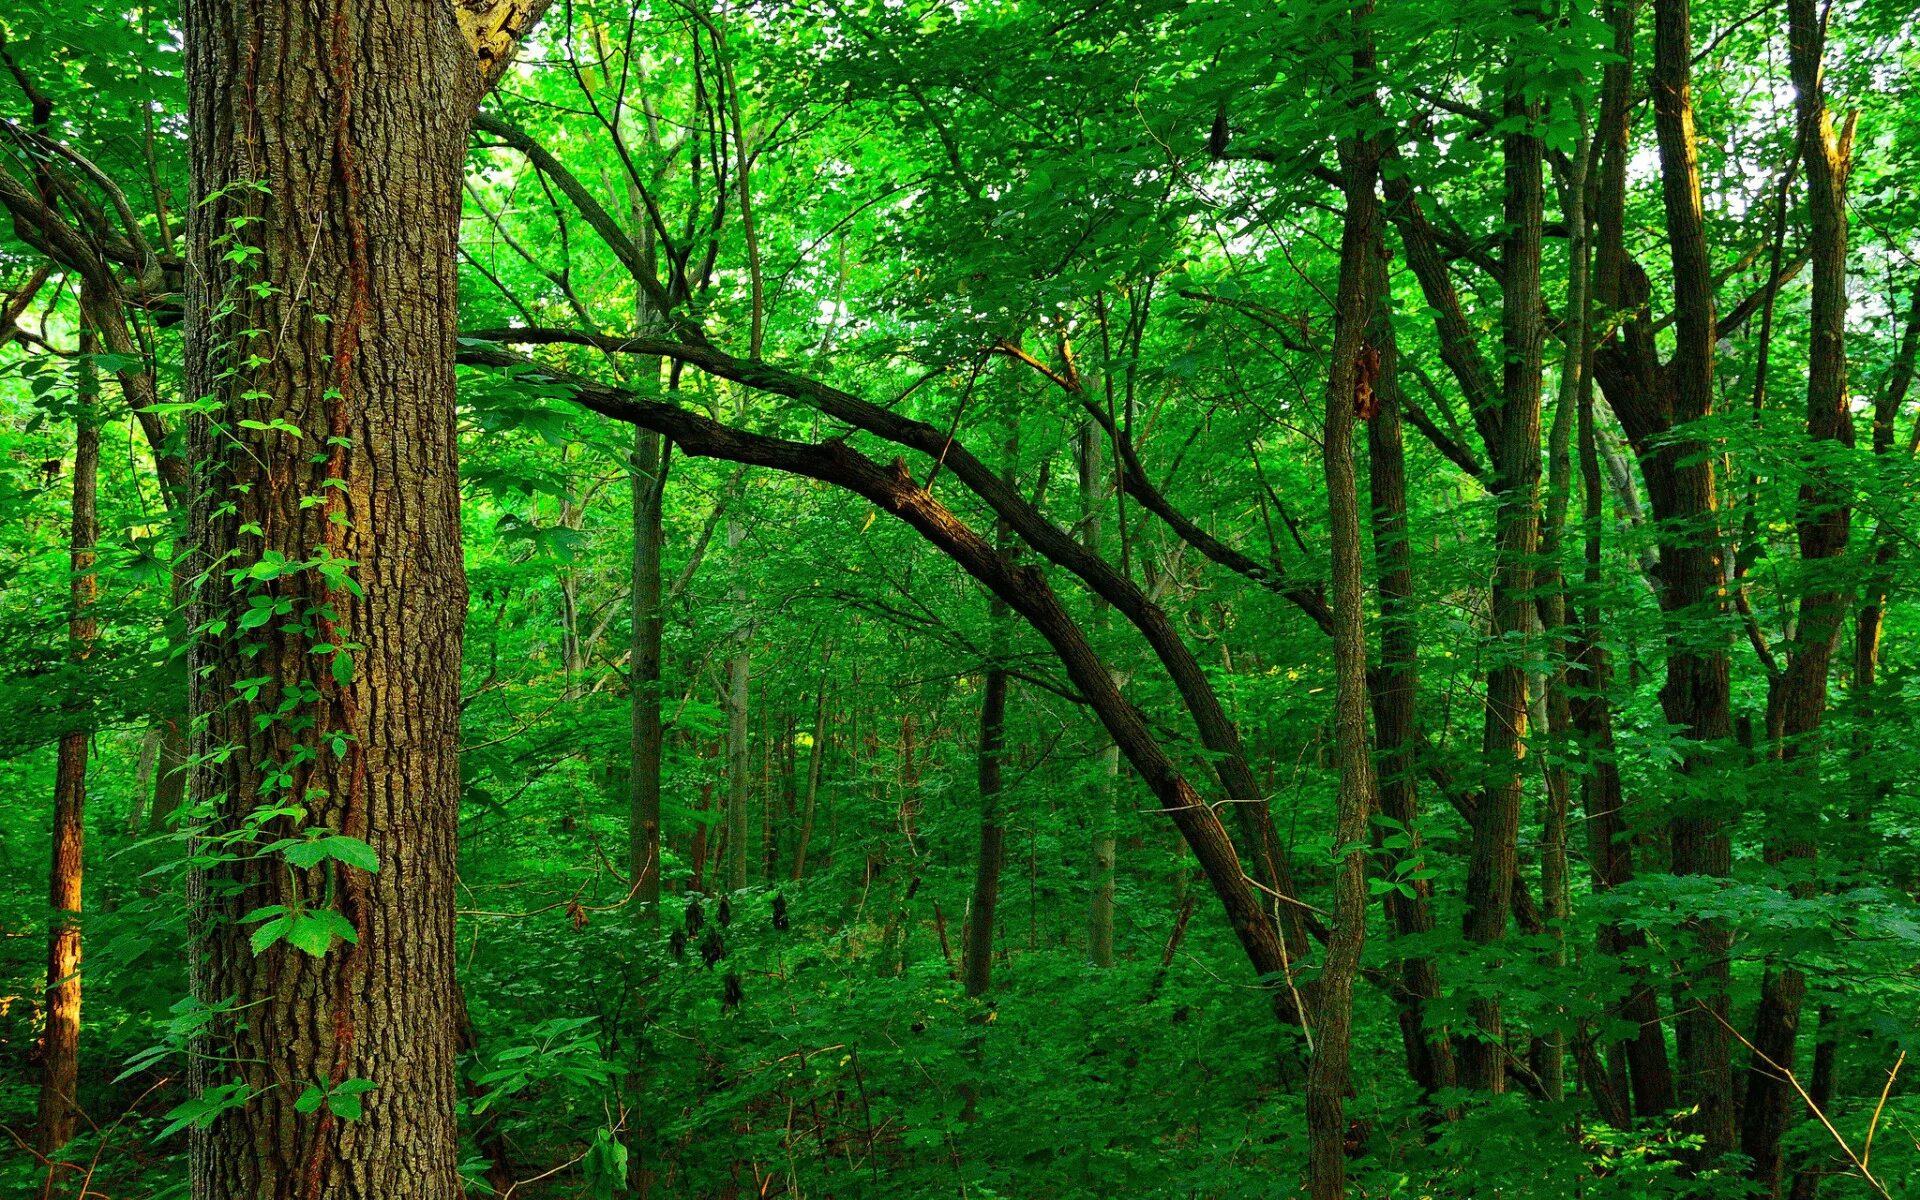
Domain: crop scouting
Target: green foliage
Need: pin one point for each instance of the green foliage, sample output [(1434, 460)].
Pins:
[(935, 188)]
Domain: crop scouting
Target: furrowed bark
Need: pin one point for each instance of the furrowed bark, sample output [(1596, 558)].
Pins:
[(331, 140)]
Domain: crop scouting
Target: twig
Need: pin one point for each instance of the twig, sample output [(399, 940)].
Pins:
[(1786, 1074)]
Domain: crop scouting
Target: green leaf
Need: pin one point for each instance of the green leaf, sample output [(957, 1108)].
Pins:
[(253, 618), (352, 851), (315, 930), (270, 933)]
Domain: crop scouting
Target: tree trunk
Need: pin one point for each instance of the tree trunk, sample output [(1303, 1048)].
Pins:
[(1646, 1066), (1106, 764), (1651, 400), (816, 759), (1350, 386), (59, 1110), (327, 146), (1553, 604), (739, 666), (649, 480), (1516, 461), (1396, 693), (1824, 530), (976, 968)]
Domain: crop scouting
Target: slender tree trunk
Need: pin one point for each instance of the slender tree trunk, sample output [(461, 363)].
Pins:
[(1824, 529), (327, 145), (1396, 693), (1681, 482), (1490, 871), (1106, 764), (59, 1112), (816, 757), (1350, 394), (976, 966), (1553, 606), (976, 969), (649, 464), (1646, 1065), (739, 666)]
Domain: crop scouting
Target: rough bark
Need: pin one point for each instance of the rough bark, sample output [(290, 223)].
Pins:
[(337, 134)]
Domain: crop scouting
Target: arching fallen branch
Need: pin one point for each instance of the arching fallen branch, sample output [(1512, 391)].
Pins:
[(1023, 588)]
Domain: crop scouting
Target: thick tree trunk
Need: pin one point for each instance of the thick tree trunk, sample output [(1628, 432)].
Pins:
[(59, 1110), (327, 147)]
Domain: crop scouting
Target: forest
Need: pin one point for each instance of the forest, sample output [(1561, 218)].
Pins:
[(732, 599)]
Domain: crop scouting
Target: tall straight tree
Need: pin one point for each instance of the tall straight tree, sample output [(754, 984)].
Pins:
[(1106, 759), (1798, 707), (1655, 401), (60, 1045), (1350, 385), (1516, 461), (327, 144)]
